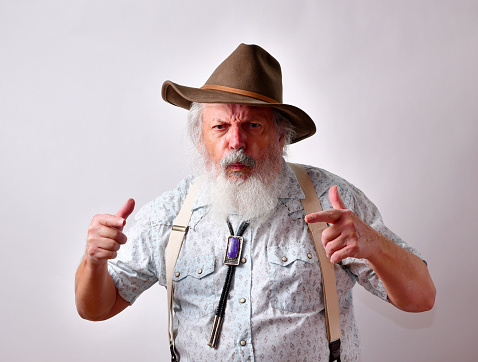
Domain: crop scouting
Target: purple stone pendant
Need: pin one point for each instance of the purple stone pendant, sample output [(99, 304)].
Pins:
[(233, 247), (233, 251)]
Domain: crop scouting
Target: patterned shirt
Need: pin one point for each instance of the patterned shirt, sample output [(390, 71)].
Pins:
[(275, 308)]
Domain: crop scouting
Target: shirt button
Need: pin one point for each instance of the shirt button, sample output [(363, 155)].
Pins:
[(309, 256), (284, 259), (243, 343), (200, 271), (243, 260), (242, 300), (178, 274)]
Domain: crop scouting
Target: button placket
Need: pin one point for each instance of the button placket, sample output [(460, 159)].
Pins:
[(242, 309)]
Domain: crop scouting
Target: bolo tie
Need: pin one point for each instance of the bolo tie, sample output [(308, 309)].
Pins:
[(231, 259)]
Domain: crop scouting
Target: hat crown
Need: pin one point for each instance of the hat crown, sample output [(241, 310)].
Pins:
[(250, 68)]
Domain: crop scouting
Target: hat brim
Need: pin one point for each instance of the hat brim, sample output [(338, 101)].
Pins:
[(183, 96)]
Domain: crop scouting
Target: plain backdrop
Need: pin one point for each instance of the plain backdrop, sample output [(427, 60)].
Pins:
[(391, 85)]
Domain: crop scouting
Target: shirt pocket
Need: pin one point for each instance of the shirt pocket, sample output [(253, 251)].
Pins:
[(294, 278), (193, 285)]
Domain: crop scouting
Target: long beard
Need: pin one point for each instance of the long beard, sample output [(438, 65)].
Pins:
[(252, 194)]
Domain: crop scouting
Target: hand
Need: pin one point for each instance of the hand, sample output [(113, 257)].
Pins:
[(105, 234), (348, 236)]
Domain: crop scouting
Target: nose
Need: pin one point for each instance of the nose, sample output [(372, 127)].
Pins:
[(237, 138)]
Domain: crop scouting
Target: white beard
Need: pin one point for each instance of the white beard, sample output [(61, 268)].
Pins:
[(254, 197)]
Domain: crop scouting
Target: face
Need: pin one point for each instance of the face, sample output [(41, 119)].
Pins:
[(229, 127)]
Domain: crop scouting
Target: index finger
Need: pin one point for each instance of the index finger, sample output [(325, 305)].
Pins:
[(113, 221), (329, 216)]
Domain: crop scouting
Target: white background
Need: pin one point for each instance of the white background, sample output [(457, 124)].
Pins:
[(391, 85)]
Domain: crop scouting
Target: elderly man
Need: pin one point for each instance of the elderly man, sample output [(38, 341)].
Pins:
[(248, 209)]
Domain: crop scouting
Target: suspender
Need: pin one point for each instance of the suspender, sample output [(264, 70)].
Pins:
[(176, 238), (311, 203)]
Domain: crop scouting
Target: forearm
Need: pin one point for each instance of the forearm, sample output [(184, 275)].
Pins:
[(404, 275), (95, 292)]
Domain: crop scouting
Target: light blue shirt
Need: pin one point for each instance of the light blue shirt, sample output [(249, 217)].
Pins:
[(275, 309)]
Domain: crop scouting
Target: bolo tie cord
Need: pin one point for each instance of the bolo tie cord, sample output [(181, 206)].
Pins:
[(221, 308)]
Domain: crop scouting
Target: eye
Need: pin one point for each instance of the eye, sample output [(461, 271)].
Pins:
[(218, 127), (254, 127)]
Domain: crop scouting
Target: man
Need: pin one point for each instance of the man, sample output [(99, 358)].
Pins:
[(274, 309)]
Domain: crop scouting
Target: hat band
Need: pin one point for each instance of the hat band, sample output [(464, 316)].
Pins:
[(239, 91)]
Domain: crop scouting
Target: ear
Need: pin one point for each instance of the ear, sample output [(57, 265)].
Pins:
[(281, 139)]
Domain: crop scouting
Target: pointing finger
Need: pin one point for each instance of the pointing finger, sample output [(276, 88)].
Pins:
[(329, 216)]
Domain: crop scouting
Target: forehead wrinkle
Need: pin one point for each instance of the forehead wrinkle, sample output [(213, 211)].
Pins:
[(239, 112)]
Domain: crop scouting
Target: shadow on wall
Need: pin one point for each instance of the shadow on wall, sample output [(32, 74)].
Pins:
[(413, 321)]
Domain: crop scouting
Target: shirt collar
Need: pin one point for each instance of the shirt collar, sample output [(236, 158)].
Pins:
[(292, 188)]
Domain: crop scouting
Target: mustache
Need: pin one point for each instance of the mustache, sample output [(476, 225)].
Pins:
[(238, 156)]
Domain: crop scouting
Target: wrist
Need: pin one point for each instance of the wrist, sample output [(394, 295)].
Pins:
[(94, 263), (380, 248)]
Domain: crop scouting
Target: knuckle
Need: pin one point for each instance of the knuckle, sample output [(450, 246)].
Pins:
[(92, 236), (91, 228), (329, 248), (330, 213), (348, 221), (349, 234), (349, 225), (353, 251), (92, 249)]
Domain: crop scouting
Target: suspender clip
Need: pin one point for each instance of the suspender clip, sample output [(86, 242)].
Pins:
[(180, 228)]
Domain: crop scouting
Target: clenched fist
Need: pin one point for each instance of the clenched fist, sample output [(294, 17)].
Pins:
[(105, 234)]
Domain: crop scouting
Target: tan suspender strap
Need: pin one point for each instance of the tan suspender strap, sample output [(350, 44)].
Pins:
[(176, 238), (311, 204)]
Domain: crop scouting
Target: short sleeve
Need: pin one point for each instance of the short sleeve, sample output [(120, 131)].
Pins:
[(368, 212)]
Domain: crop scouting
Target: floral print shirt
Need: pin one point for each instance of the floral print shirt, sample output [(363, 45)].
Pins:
[(275, 308)]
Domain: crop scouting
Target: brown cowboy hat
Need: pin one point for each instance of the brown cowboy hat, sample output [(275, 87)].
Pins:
[(249, 76)]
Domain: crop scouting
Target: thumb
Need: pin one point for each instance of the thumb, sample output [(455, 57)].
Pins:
[(126, 209), (335, 199)]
